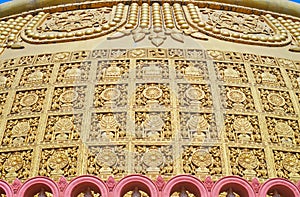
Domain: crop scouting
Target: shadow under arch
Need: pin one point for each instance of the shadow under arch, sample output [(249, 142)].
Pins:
[(5, 189), (189, 182), (283, 186), (34, 185), (130, 182), (238, 184), (81, 183)]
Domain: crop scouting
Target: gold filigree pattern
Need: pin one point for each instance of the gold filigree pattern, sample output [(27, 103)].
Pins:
[(108, 126), (29, 101), (242, 128), (19, 132), (107, 96), (68, 98), (59, 162), (248, 163), (36, 76), (201, 161), (63, 128), (105, 161)]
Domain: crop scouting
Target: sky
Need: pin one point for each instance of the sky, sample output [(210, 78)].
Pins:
[(2, 1)]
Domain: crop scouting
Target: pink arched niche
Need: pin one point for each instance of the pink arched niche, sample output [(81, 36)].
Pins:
[(238, 184), (5, 189), (34, 185), (80, 184), (283, 186), (130, 182), (189, 182)]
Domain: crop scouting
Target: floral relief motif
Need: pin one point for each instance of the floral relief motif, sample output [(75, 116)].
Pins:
[(80, 55), (26, 60), (286, 63), (8, 63), (198, 127), (287, 164), (35, 76), (63, 128), (108, 126), (68, 98), (152, 95), (233, 56), (16, 165), (3, 98), (107, 96), (242, 128), (19, 132), (7, 78), (28, 101), (231, 72), (276, 101), (194, 96), (251, 58), (43, 59), (267, 60), (152, 160), (99, 54), (61, 57), (283, 131), (153, 125), (202, 161), (152, 69), (104, 161), (268, 76), (115, 70), (57, 162), (215, 55), (196, 54), (248, 163), (191, 70), (237, 98), (294, 76), (73, 72)]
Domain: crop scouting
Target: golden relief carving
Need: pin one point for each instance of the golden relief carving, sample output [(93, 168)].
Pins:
[(283, 131), (112, 70), (104, 161), (237, 98), (36, 76), (68, 25), (152, 95), (7, 78), (151, 160), (153, 125), (287, 164), (194, 96), (108, 126), (73, 72), (29, 101), (107, 96), (16, 165), (248, 163), (63, 128), (197, 127), (242, 128), (19, 132), (278, 102), (268, 76), (231, 72), (59, 162), (202, 161), (168, 97), (68, 98)]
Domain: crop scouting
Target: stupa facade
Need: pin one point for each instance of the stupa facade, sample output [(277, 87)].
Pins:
[(150, 99)]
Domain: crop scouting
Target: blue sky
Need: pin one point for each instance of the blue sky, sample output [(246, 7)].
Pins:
[(1, 1)]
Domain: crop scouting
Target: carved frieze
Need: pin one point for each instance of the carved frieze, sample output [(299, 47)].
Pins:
[(115, 70), (110, 96), (231, 72), (73, 72), (268, 76), (63, 128), (36, 75), (20, 132)]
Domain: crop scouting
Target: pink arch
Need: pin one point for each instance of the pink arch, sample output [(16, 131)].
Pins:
[(282, 185), (238, 184), (191, 183), (6, 188), (33, 186), (79, 184), (130, 182)]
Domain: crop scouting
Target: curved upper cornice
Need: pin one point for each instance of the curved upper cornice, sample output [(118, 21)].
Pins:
[(279, 6)]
